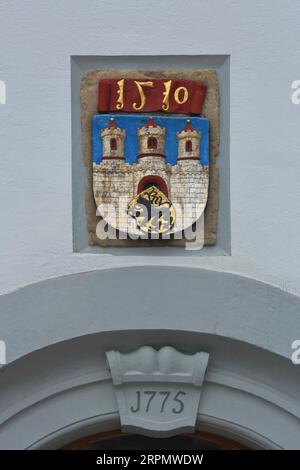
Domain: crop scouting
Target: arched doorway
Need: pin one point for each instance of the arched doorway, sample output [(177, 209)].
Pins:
[(59, 388), (116, 440), (152, 180)]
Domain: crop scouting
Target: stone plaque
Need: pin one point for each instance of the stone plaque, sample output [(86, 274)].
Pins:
[(150, 143), (158, 392)]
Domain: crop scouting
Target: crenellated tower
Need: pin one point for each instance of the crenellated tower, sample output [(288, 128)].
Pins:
[(188, 144), (151, 140), (151, 168), (113, 142)]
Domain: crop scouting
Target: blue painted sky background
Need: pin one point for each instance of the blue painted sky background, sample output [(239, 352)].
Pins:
[(130, 122)]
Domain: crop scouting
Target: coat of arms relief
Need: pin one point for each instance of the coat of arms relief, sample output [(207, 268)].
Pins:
[(153, 143)]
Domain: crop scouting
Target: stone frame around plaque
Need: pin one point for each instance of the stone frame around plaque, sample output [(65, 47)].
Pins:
[(217, 213)]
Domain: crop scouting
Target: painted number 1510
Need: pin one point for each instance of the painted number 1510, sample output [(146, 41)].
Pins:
[(181, 94)]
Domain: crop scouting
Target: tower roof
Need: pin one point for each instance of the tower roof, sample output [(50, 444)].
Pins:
[(112, 123), (188, 126), (188, 131), (151, 128), (112, 129), (151, 123)]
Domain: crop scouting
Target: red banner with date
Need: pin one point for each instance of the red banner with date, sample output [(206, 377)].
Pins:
[(140, 95)]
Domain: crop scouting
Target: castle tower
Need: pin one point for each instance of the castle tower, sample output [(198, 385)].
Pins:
[(151, 140), (151, 168), (188, 144), (113, 142)]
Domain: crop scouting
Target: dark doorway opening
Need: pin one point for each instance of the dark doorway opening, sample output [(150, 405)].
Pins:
[(116, 440), (152, 180)]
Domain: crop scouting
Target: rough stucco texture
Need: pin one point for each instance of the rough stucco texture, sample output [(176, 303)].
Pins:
[(37, 40)]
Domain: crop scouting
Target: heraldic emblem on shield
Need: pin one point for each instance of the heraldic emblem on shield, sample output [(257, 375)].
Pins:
[(150, 155)]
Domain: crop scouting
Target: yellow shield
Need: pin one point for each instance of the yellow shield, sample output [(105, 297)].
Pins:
[(153, 211)]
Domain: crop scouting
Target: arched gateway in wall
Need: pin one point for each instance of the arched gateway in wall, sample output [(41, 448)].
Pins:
[(57, 388)]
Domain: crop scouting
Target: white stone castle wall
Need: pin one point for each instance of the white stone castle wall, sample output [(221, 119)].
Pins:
[(189, 188), (113, 183), (116, 182)]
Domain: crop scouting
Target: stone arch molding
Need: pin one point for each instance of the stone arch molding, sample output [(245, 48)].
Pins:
[(57, 386)]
